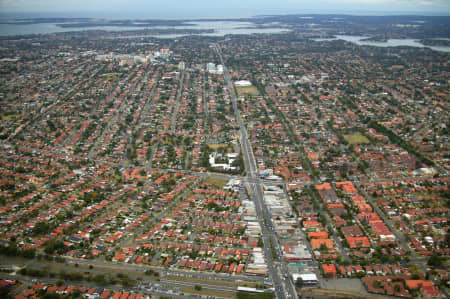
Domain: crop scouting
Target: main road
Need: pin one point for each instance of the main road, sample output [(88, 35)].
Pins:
[(283, 287)]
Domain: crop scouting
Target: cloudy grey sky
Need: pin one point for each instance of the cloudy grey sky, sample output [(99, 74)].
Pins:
[(218, 8)]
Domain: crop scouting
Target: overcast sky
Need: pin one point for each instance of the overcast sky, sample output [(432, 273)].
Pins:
[(218, 8)]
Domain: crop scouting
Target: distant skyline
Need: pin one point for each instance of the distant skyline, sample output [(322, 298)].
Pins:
[(172, 9)]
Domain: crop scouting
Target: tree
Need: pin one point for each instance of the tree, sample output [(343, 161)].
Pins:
[(244, 295), (100, 279), (260, 242), (436, 260), (4, 293), (76, 293), (299, 283), (377, 284), (51, 125), (41, 228), (51, 296), (53, 246)]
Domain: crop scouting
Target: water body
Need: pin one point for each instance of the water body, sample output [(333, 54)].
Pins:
[(359, 40), (11, 30), (221, 28)]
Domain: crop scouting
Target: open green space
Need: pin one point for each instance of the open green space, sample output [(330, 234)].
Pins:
[(356, 138), (111, 75), (247, 91), (203, 281), (204, 292), (219, 183), (11, 117), (218, 282), (215, 146)]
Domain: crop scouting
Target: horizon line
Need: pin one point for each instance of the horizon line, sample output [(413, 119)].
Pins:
[(101, 15)]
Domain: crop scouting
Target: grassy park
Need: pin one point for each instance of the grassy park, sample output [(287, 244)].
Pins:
[(356, 138)]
